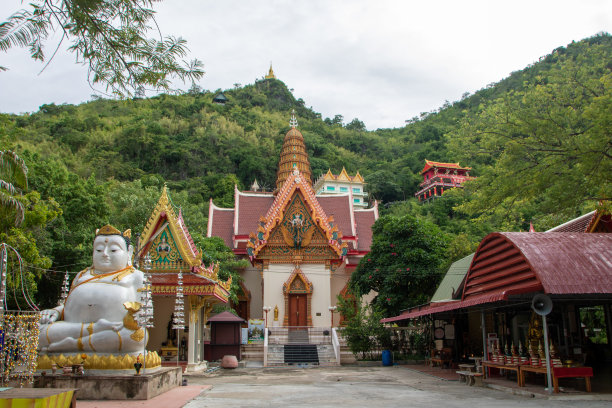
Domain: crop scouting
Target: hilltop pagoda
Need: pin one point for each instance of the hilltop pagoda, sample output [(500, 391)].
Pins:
[(439, 177)]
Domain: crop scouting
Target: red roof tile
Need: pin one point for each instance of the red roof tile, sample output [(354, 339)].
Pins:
[(364, 220), (221, 224), (579, 224), (250, 209), (340, 207)]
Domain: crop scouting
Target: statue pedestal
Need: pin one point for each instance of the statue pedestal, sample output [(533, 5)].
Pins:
[(115, 387)]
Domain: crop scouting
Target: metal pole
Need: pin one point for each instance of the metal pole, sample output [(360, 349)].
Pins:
[(484, 340), (548, 368)]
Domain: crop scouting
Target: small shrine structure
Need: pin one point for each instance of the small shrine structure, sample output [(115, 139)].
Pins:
[(439, 177), (171, 249), (343, 183)]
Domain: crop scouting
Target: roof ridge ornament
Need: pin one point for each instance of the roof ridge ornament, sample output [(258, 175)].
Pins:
[(293, 122)]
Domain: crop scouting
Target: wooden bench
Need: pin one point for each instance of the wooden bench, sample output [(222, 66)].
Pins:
[(470, 377)]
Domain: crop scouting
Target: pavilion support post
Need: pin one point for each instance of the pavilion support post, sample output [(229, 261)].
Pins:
[(548, 368), (484, 339), (191, 342)]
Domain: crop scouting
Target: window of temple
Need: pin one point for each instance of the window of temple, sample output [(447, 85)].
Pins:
[(331, 188), (344, 189), (356, 190)]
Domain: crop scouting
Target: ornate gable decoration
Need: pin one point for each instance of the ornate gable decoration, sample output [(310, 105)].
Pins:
[(167, 239), (301, 227), (297, 283), (343, 176)]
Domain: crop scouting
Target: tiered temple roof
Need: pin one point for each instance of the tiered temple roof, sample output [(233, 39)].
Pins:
[(170, 246), (246, 227)]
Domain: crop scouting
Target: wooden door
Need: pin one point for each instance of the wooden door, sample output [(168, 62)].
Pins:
[(297, 310)]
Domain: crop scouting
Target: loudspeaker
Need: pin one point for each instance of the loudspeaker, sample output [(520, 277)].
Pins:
[(541, 304)]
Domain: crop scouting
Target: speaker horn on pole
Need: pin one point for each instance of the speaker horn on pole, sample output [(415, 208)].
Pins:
[(541, 304)]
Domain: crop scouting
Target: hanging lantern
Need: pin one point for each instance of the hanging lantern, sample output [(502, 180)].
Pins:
[(178, 322), (65, 289), (145, 317)]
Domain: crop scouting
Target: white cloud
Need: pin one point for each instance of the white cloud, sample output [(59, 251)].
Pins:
[(382, 62)]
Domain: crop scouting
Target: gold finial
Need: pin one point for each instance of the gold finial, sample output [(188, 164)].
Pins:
[(293, 122), (271, 73)]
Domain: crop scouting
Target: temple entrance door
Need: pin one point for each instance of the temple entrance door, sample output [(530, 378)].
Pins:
[(298, 310)]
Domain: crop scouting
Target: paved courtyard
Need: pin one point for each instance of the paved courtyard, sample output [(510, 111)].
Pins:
[(361, 387)]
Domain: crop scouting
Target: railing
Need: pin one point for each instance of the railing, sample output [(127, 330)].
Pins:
[(336, 344), (265, 349), (299, 335)]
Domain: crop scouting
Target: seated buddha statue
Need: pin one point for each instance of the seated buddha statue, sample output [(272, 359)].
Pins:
[(98, 316)]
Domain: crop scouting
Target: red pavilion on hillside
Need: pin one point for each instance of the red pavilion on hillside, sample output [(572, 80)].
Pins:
[(439, 177)]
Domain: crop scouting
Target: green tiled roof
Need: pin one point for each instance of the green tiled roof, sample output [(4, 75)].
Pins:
[(452, 280)]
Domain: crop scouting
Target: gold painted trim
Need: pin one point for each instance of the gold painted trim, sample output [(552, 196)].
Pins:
[(164, 207)]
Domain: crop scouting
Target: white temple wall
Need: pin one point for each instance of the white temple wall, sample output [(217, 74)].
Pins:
[(277, 274), (252, 281), (339, 278)]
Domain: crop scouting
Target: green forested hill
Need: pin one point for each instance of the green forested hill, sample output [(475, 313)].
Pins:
[(539, 140)]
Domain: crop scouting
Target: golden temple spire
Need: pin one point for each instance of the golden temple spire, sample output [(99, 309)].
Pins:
[(271, 73), (293, 156)]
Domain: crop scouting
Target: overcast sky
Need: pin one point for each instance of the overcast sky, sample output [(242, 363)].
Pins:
[(380, 61)]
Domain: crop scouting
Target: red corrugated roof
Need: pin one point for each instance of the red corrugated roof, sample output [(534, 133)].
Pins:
[(568, 263), (512, 263), (250, 209)]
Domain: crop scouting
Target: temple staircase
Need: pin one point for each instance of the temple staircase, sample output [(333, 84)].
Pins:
[(308, 346)]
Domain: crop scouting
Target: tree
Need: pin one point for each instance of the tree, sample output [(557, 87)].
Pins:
[(356, 124), (364, 333), (546, 148), (13, 180), (214, 250), (108, 36), (403, 265)]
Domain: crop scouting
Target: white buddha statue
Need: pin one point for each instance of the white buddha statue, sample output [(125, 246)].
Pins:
[(98, 314)]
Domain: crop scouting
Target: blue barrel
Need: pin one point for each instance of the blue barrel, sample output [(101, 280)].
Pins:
[(387, 358)]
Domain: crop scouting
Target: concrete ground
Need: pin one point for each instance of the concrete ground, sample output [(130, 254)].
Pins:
[(369, 387)]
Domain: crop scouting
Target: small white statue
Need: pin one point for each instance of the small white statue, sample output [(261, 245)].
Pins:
[(98, 315)]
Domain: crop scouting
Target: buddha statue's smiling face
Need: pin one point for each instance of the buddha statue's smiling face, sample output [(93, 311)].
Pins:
[(110, 253)]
